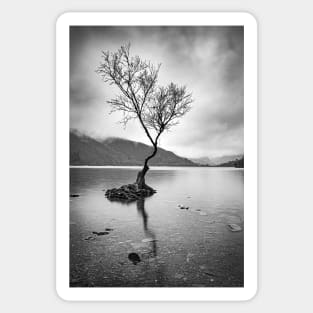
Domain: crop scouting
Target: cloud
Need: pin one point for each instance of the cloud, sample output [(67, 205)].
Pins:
[(208, 60)]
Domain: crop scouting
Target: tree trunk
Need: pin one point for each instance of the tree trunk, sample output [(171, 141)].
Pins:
[(140, 181)]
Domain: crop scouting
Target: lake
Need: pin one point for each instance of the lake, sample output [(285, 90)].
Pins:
[(154, 242)]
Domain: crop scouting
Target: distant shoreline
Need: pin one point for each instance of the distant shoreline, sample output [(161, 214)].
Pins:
[(154, 166)]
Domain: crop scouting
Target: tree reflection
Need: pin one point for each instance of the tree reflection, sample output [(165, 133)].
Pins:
[(148, 232)]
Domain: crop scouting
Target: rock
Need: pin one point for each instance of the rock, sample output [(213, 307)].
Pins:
[(100, 233), (109, 229), (74, 196), (129, 193), (234, 227), (134, 258), (209, 274), (90, 238), (182, 207)]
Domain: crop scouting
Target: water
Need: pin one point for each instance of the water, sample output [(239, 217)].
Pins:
[(176, 247)]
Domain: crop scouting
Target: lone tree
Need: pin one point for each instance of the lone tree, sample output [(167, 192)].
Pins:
[(157, 108)]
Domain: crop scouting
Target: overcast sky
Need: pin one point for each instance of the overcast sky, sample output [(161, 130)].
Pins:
[(208, 60)]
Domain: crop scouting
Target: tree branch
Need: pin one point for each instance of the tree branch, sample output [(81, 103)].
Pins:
[(157, 108)]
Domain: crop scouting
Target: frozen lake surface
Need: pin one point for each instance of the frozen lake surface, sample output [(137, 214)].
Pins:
[(154, 242)]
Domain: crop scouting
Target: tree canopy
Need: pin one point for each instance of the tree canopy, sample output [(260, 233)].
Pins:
[(157, 108)]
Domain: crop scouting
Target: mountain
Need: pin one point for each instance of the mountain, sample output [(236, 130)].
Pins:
[(235, 163), (85, 150), (226, 159), (218, 161), (202, 161)]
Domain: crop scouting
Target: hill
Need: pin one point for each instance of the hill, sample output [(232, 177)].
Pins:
[(226, 159), (85, 150), (202, 161), (218, 161), (239, 163)]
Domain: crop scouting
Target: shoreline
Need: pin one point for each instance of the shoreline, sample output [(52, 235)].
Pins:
[(154, 167)]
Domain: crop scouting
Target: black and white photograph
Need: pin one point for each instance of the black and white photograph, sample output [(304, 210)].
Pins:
[(156, 156)]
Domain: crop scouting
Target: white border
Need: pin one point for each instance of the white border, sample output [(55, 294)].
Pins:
[(62, 158)]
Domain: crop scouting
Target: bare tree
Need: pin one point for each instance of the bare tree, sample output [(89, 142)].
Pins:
[(157, 108)]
